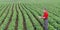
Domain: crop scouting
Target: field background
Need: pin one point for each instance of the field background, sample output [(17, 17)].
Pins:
[(23, 14)]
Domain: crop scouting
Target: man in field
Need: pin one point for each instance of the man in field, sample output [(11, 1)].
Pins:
[(45, 17)]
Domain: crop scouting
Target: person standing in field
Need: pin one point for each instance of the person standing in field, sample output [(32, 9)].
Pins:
[(45, 17)]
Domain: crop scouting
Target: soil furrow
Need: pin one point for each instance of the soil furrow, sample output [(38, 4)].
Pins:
[(16, 23), (6, 28), (5, 17), (30, 19), (24, 21), (4, 11)]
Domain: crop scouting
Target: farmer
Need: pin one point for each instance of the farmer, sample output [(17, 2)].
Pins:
[(45, 17)]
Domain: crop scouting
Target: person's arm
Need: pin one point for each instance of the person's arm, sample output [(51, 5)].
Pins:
[(41, 17)]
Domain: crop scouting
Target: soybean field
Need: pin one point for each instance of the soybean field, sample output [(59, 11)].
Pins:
[(23, 14)]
